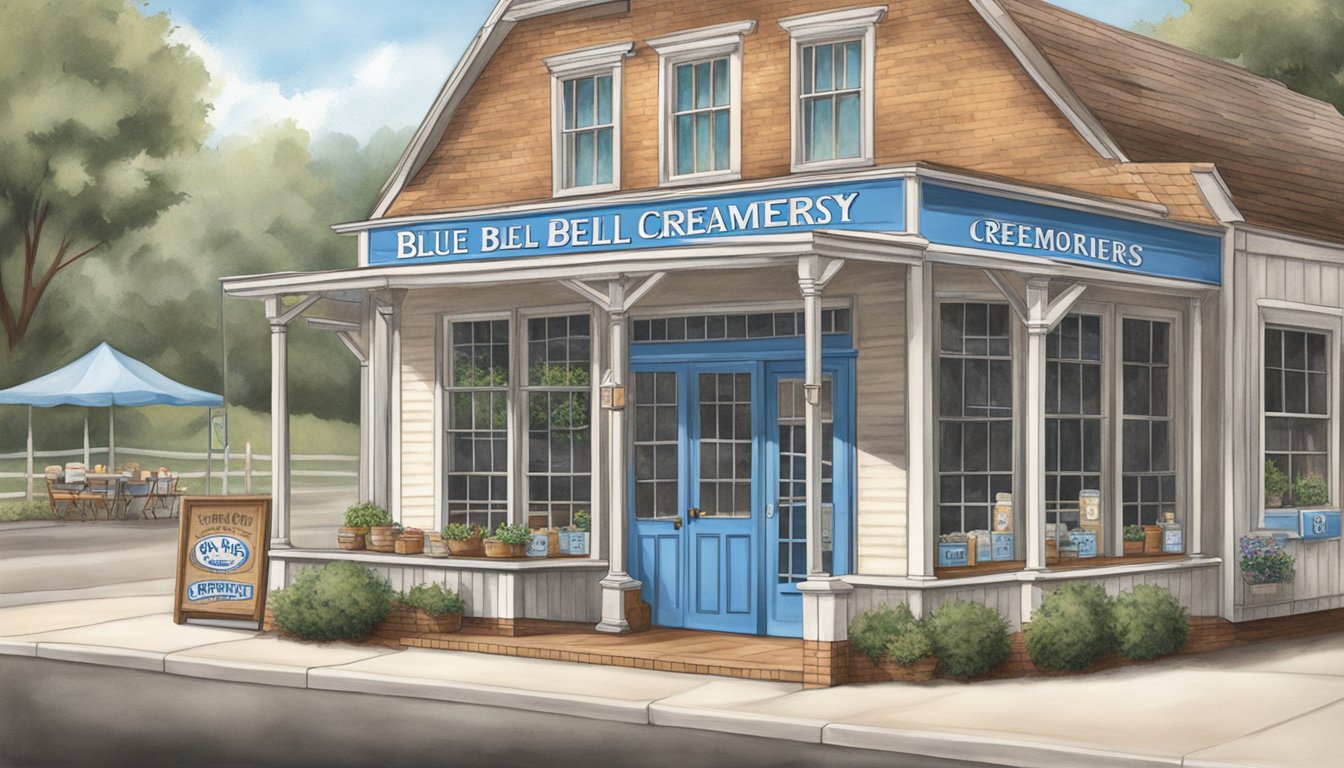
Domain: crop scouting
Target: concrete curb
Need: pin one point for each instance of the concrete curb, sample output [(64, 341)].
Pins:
[(126, 658), (17, 648), (741, 723), (257, 673), (974, 747), (592, 707)]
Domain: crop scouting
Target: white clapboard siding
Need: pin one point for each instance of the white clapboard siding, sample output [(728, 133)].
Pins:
[(1287, 273)]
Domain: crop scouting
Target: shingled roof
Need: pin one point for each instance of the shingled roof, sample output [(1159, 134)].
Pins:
[(1280, 153)]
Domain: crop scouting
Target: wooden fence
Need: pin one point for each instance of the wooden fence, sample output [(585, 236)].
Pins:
[(239, 470)]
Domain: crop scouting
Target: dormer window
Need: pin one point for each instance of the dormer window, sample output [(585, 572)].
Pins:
[(700, 89), (586, 109), (832, 107)]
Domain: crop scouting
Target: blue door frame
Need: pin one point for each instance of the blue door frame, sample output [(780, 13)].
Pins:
[(722, 574)]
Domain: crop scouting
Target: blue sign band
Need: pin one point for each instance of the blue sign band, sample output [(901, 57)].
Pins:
[(987, 222), (877, 205)]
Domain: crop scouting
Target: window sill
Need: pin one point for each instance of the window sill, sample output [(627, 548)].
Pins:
[(692, 180), (833, 165), (596, 189), (1070, 566), (441, 563)]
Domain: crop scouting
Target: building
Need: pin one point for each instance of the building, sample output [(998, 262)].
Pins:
[(872, 280)]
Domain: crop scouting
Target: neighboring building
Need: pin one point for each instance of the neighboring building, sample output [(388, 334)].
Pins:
[(860, 270)]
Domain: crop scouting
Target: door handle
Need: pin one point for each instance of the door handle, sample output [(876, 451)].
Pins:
[(769, 511), (676, 523), (693, 513)]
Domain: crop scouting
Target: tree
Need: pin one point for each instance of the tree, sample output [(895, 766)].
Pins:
[(99, 108), (1296, 42)]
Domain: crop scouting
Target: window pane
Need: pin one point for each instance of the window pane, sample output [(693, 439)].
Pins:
[(685, 143), (702, 85), (583, 159), (721, 139), (584, 107), (805, 77), (702, 142), (604, 156), (848, 126), (569, 104), (852, 63), (721, 98), (604, 100), (685, 86), (825, 75)]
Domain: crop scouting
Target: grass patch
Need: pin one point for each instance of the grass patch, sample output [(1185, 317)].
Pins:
[(14, 511)]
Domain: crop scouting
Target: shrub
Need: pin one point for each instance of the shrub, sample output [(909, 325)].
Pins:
[(1310, 491), (342, 601), (14, 511), (460, 531), (911, 645), (1073, 628), (366, 515), (893, 632), (969, 638), (1264, 561), (1149, 623), (434, 599), (1276, 482)]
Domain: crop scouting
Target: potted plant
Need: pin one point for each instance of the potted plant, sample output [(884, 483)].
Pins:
[(1152, 539), (438, 610), (508, 541), (382, 533), (1310, 491), (1266, 568), (1276, 484), (1134, 539), (409, 541), (359, 518), (463, 540)]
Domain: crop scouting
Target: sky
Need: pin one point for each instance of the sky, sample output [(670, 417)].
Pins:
[(354, 66)]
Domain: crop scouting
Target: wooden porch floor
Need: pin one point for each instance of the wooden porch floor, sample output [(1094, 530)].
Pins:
[(667, 650)]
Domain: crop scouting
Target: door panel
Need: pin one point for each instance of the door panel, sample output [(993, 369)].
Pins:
[(658, 493)]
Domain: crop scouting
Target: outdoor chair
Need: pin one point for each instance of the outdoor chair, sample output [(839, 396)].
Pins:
[(102, 493), (62, 497), (163, 495), (134, 490)]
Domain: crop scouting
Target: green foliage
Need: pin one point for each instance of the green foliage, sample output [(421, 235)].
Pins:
[(1149, 623), (1133, 533), (460, 531), (870, 633), (583, 520), (970, 639), (1073, 628), (559, 410), (912, 645), (341, 601), (1264, 560), (434, 599), (1296, 43), (513, 534), (1310, 491), (100, 113), (13, 511), (1276, 482), (366, 515)]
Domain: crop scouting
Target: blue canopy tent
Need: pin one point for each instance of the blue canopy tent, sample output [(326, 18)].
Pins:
[(102, 378)]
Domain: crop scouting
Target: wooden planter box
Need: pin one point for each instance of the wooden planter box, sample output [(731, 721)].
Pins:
[(382, 538), (351, 538), (410, 542), (466, 547), (495, 548), (863, 670), (1152, 539), (1133, 548), (1267, 594)]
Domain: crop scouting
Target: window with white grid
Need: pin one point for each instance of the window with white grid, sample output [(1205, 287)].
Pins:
[(1297, 410), (477, 392), (1074, 416), (1148, 482), (559, 413)]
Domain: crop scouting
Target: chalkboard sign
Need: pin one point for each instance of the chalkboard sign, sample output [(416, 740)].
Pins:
[(221, 558)]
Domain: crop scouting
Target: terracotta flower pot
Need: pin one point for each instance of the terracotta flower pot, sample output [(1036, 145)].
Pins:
[(383, 538), (351, 538)]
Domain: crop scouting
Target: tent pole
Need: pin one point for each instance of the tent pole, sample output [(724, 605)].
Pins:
[(209, 448), (111, 438), (86, 438), (30, 454)]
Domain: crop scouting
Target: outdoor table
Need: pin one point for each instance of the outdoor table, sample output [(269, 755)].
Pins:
[(117, 501)]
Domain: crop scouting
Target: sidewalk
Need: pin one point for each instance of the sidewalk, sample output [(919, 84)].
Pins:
[(1271, 704)]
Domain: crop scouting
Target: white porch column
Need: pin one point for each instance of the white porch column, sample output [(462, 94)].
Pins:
[(1037, 305), (620, 295), (384, 395), (922, 532), (280, 495), (825, 598), (1195, 389)]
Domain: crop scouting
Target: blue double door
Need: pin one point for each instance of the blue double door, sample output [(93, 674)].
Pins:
[(718, 501)]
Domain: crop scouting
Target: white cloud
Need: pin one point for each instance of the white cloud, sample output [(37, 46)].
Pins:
[(391, 85)]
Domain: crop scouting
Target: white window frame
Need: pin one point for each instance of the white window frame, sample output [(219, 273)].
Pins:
[(1178, 400), (820, 28), (705, 43), (1110, 356), (519, 483), (1312, 319), (445, 389), (587, 62)]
